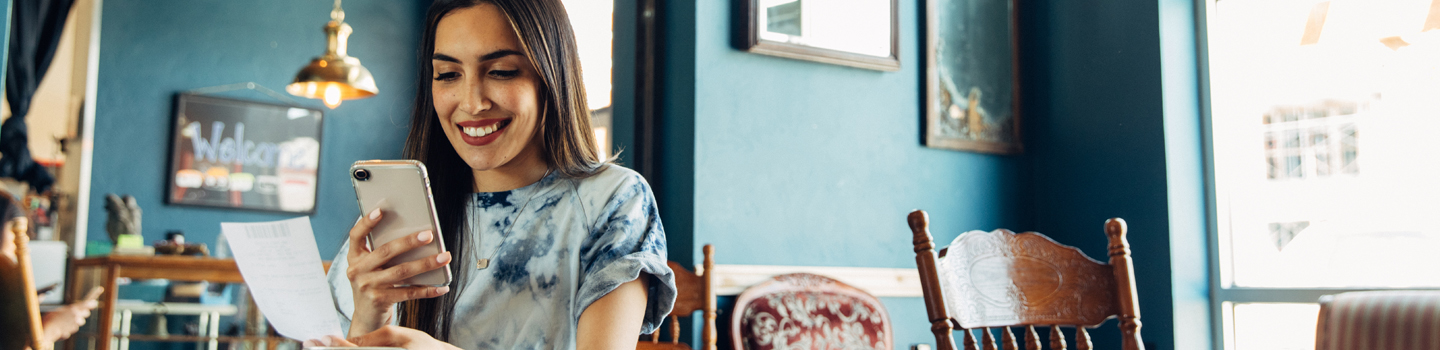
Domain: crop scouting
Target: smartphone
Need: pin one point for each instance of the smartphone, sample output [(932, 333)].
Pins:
[(401, 190)]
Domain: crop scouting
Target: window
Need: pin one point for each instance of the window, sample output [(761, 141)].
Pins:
[(593, 21), (1306, 206)]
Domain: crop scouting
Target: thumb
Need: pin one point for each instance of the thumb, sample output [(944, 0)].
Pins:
[(338, 341)]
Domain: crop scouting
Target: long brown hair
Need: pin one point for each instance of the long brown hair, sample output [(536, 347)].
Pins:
[(566, 141)]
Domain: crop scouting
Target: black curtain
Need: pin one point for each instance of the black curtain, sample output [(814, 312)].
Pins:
[(35, 27)]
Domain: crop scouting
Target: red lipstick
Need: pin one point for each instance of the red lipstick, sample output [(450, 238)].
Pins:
[(482, 132)]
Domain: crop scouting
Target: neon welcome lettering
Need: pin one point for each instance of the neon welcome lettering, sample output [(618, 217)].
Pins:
[(231, 150)]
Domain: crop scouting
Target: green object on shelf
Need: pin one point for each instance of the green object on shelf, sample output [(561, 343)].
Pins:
[(98, 248), (130, 241)]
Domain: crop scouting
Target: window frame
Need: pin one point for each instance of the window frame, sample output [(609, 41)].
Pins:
[(1224, 293)]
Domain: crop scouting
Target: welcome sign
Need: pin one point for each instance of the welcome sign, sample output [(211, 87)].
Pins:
[(246, 155)]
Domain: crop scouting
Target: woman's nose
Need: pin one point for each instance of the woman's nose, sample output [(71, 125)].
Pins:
[(474, 101)]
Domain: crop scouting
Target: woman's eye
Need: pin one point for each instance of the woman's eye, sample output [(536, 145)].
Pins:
[(504, 74), (450, 76)]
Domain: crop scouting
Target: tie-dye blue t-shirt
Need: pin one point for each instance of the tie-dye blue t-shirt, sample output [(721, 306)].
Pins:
[(574, 242)]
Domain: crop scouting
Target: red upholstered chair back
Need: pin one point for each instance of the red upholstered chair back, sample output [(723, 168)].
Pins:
[(805, 311), (1390, 320)]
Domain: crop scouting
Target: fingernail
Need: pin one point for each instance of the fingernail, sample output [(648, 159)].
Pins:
[(311, 343), (424, 236), (375, 214), (325, 341), (442, 257), (442, 290)]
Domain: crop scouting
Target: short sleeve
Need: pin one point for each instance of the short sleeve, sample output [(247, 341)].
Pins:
[(340, 287), (627, 240)]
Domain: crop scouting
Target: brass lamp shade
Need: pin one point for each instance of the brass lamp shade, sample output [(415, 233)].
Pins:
[(334, 76), (342, 78)]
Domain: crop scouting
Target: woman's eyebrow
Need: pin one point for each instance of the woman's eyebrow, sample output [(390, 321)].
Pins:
[(443, 57), (499, 54)]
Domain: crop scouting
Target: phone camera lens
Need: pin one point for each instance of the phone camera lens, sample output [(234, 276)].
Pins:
[(361, 174)]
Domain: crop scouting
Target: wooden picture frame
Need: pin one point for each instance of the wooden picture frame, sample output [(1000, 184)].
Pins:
[(239, 154), (801, 45), (972, 98)]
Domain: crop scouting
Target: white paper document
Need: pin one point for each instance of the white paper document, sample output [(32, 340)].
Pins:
[(281, 265)]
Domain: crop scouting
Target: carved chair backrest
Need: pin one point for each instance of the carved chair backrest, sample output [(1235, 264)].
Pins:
[(19, 303), (1001, 279), (806, 311), (695, 291)]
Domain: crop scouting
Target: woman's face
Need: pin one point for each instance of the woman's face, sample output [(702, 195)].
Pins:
[(485, 89)]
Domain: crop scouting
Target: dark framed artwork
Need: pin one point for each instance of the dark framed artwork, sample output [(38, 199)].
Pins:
[(856, 33), (972, 85), (239, 154)]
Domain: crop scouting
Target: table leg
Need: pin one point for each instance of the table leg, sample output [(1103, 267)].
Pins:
[(214, 331), (125, 330), (72, 292), (107, 306), (203, 330)]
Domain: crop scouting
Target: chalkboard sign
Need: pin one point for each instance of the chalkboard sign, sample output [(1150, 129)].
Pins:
[(244, 155)]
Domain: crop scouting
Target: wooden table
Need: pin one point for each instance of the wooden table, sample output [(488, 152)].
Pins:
[(176, 268)]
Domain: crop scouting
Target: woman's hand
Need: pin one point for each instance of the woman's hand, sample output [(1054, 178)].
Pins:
[(66, 320), (400, 337), (374, 286)]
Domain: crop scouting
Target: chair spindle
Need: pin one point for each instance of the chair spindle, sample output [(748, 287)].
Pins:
[(1082, 338), (674, 329), (655, 337), (1032, 339), (1007, 339), (1057, 338), (969, 340), (987, 340)]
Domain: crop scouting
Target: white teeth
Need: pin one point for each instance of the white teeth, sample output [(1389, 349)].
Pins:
[(480, 131)]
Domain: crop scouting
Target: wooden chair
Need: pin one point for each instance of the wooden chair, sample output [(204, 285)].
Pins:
[(18, 285), (1001, 279), (1401, 320), (695, 292), (805, 311)]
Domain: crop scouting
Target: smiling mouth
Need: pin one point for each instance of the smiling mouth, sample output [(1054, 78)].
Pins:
[(482, 131)]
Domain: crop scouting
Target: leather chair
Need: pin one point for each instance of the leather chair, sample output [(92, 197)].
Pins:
[(1389, 320)]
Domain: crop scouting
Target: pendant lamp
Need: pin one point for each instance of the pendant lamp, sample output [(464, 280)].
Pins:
[(334, 76)]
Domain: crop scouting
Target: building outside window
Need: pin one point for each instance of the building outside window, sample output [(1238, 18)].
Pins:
[(1305, 205)]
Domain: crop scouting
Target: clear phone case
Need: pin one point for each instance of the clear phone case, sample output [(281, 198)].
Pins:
[(401, 189)]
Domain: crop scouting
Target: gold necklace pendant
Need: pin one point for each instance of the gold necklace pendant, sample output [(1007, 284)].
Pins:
[(482, 264)]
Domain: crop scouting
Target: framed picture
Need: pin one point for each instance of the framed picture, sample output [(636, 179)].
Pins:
[(972, 87), (240, 154), (856, 33)]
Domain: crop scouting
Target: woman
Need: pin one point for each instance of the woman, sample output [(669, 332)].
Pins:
[(550, 246)]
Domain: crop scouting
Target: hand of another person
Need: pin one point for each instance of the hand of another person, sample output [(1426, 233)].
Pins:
[(66, 320), (393, 336), (374, 286)]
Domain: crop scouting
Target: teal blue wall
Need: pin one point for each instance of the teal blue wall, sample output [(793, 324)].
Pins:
[(152, 49), (1113, 129), (785, 162), (774, 161), (5, 43)]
